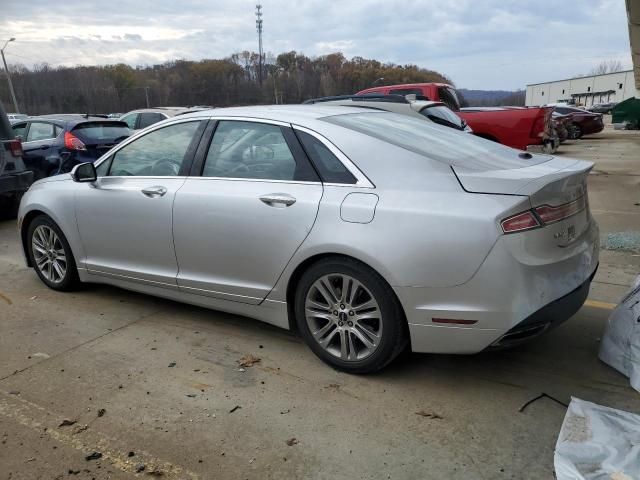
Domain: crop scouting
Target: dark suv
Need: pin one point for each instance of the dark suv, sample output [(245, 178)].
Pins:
[(54, 144), (14, 177)]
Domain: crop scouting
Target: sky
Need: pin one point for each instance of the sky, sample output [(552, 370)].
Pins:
[(479, 44)]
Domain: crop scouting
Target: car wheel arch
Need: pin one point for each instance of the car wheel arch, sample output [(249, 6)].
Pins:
[(304, 265)]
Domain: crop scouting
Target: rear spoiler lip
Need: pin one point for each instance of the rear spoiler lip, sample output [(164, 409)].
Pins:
[(525, 190)]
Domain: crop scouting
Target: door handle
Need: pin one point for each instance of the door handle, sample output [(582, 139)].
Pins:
[(279, 200), (153, 192)]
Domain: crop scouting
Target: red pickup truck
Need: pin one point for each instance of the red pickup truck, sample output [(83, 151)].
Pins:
[(521, 128)]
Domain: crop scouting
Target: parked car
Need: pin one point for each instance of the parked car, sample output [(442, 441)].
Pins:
[(437, 112), (582, 121), (16, 117), (14, 177), (524, 129), (366, 230), (138, 119), (602, 107), (54, 144)]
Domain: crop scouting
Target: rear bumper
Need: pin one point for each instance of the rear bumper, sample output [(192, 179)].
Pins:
[(18, 182), (548, 317), (511, 289)]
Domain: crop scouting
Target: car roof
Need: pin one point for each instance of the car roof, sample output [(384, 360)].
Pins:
[(282, 113)]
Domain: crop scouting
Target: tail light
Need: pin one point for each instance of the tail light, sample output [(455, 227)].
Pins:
[(549, 214), (15, 147), (541, 216), (72, 142), (520, 222)]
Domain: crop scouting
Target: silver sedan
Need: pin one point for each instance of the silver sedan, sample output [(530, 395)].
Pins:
[(367, 231)]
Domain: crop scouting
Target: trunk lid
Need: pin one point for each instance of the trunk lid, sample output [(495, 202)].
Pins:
[(554, 182)]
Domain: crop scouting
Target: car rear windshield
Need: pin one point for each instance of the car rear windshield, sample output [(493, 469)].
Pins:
[(444, 144), (99, 131)]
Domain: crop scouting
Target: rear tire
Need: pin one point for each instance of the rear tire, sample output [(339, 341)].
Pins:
[(575, 132), (349, 316), (51, 255)]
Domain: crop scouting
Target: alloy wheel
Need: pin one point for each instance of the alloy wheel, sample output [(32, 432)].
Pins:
[(343, 317), (49, 254)]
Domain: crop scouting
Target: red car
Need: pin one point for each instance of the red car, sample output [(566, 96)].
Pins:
[(521, 128), (582, 122)]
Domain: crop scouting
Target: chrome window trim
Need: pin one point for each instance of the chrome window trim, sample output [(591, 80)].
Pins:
[(361, 179)]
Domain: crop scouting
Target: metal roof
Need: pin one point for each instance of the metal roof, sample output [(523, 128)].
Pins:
[(577, 78)]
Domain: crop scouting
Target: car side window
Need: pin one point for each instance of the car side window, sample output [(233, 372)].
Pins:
[(19, 130), (149, 118), (160, 153), (250, 150), (40, 131), (330, 168), (130, 120)]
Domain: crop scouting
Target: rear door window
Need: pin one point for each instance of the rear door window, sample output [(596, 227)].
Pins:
[(253, 150), (40, 131), (149, 118)]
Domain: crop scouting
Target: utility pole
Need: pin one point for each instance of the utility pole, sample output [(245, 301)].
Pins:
[(259, 29), (6, 70), (146, 95)]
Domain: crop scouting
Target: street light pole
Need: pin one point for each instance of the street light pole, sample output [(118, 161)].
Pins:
[(6, 70)]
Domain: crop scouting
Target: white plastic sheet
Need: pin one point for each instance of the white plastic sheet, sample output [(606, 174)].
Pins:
[(620, 346), (598, 443)]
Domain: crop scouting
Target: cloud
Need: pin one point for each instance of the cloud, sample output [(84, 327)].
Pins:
[(478, 43), (132, 37)]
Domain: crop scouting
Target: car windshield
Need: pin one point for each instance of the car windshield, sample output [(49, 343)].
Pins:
[(453, 147), (99, 131)]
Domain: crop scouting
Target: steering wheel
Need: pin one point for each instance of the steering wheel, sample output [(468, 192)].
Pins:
[(165, 168)]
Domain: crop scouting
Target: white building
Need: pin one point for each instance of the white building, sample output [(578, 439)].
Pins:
[(610, 87)]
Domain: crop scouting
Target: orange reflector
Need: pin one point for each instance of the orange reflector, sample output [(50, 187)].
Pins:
[(454, 321)]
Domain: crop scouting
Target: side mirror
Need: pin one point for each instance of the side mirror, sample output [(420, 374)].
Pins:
[(84, 172)]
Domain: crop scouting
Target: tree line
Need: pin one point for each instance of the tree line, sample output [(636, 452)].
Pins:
[(290, 77)]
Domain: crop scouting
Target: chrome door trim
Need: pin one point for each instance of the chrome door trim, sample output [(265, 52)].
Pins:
[(361, 178)]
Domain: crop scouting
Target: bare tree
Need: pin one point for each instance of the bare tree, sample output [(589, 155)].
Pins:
[(607, 66)]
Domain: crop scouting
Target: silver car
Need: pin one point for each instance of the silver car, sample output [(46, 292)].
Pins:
[(367, 231)]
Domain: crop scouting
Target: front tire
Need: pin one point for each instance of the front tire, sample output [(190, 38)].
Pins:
[(349, 316), (51, 255)]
